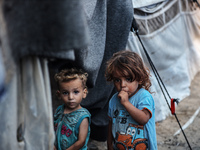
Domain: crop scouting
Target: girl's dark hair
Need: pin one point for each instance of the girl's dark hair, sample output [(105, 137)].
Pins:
[(128, 64)]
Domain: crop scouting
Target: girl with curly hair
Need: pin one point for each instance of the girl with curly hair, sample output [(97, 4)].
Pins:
[(131, 109)]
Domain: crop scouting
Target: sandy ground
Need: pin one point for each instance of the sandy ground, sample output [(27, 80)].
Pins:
[(184, 112), (166, 129)]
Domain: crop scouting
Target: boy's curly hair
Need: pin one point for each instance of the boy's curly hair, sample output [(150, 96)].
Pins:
[(128, 64), (71, 74)]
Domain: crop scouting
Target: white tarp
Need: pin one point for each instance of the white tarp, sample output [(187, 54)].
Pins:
[(26, 109), (142, 3), (174, 49)]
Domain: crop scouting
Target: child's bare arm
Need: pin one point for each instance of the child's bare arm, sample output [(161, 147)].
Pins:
[(83, 131), (110, 137), (140, 116)]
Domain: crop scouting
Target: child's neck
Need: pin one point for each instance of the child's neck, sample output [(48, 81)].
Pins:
[(67, 110)]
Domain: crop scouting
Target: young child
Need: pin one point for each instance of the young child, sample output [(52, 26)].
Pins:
[(131, 109), (71, 121)]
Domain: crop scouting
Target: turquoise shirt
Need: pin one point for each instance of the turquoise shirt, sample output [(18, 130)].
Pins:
[(67, 127), (122, 122)]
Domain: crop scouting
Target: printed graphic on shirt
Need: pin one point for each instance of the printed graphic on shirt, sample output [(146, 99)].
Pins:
[(121, 116), (133, 136), (66, 131), (127, 133)]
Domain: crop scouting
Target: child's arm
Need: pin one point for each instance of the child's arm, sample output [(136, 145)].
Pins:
[(83, 131), (110, 137), (140, 116)]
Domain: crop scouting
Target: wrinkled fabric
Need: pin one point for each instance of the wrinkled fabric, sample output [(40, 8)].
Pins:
[(171, 37), (44, 28), (144, 3), (26, 111), (53, 29)]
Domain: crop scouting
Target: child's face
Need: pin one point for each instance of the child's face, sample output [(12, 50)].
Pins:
[(72, 93), (125, 84)]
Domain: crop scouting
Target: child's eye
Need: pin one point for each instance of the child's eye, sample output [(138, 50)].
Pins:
[(65, 93), (129, 79), (116, 80), (76, 92)]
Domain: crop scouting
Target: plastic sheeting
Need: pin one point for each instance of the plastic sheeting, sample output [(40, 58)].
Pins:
[(171, 37), (143, 3), (26, 109)]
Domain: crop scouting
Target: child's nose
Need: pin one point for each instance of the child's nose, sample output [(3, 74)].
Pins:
[(70, 96), (123, 84)]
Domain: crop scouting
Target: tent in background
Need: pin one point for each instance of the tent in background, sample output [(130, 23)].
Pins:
[(170, 32)]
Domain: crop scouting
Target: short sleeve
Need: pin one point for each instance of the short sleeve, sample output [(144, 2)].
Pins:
[(111, 106), (146, 102)]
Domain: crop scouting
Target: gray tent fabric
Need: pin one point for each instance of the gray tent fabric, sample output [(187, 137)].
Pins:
[(171, 36), (44, 28), (53, 29)]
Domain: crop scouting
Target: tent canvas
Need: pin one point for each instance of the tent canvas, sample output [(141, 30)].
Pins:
[(171, 35)]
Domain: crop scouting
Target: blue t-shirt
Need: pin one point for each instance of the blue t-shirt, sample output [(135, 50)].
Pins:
[(123, 123), (67, 127)]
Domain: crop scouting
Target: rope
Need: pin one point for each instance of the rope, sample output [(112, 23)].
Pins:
[(158, 78)]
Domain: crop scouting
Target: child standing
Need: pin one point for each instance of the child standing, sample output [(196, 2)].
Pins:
[(71, 121), (131, 109)]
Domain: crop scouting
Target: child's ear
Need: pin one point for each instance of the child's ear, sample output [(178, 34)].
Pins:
[(58, 94), (85, 91)]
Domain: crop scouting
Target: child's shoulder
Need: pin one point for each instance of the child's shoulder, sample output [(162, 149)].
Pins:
[(114, 97), (85, 111), (145, 96), (143, 92), (59, 108)]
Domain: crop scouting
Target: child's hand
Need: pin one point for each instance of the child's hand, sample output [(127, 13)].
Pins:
[(123, 96)]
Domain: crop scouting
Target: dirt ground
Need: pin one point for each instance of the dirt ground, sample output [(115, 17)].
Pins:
[(184, 112), (166, 129)]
